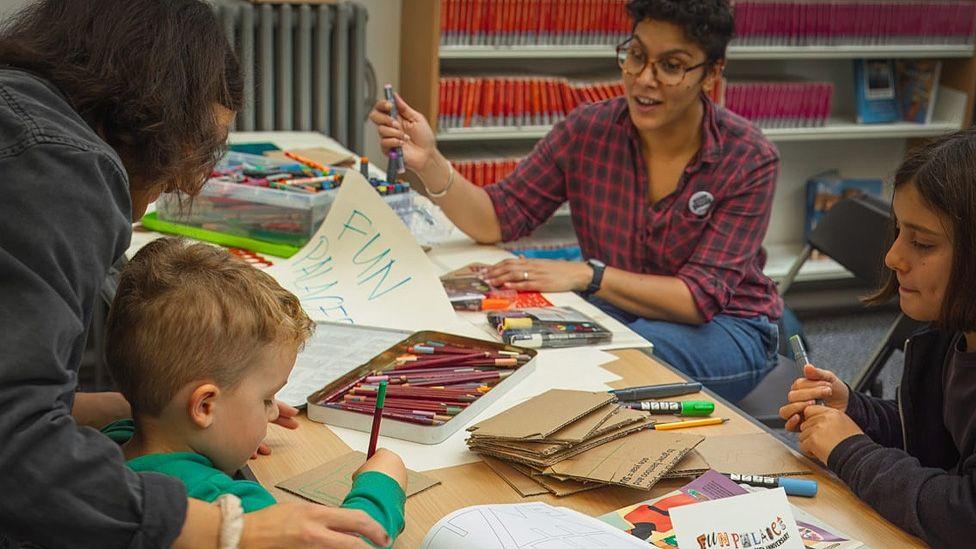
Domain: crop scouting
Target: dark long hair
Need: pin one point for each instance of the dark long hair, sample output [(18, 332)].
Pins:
[(944, 173), (145, 74)]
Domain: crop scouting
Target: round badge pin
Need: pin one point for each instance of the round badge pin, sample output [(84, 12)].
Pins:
[(700, 202)]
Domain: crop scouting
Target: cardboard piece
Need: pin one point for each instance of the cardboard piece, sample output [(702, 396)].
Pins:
[(322, 155), (543, 454), (558, 488), (523, 484), (638, 460), (586, 427), (328, 484), (528, 482), (754, 454), (364, 267), (541, 416)]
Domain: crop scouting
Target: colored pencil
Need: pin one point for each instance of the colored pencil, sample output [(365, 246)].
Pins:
[(409, 418), (374, 432), (689, 423)]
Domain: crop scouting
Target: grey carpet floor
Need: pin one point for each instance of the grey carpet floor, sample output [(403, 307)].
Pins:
[(844, 343)]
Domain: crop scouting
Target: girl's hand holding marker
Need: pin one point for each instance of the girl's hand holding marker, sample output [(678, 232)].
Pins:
[(815, 407)]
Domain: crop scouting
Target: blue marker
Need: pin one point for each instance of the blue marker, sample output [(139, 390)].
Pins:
[(792, 486)]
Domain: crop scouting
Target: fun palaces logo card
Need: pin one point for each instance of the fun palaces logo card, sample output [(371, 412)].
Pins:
[(759, 520)]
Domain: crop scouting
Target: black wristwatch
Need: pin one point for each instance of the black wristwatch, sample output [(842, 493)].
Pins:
[(595, 282)]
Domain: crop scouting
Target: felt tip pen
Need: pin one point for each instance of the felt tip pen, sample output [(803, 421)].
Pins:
[(792, 486), (687, 408), (801, 358), (664, 390), (689, 423), (398, 160)]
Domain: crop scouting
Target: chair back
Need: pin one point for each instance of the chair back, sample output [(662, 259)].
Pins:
[(855, 233)]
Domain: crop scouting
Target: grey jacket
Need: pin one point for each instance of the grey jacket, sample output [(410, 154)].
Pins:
[(64, 219)]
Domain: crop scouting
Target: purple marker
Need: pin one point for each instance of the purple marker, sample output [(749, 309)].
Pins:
[(398, 160)]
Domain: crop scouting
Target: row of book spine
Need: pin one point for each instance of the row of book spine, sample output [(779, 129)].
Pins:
[(757, 22), (533, 22), (779, 104), (486, 171), (845, 22), (521, 102), (515, 102)]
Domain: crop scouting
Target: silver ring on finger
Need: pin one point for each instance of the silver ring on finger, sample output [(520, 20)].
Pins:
[(525, 276)]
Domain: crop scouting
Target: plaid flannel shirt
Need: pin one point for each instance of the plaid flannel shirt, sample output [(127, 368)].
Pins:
[(708, 232)]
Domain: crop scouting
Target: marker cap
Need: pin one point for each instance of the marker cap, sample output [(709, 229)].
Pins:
[(514, 323), (798, 487), (697, 408)]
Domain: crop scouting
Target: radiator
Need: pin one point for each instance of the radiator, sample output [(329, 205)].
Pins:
[(305, 67)]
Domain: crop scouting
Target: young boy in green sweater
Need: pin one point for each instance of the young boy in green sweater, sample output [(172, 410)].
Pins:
[(199, 342)]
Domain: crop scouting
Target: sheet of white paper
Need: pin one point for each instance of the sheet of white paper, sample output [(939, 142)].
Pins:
[(364, 267), (332, 351), (576, 368), (764, 518), (520, 525)]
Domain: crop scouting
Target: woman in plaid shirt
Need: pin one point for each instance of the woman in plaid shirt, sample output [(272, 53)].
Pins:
[(670, 197)]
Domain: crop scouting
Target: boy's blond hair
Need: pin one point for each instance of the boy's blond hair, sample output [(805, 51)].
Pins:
[(187, 312)]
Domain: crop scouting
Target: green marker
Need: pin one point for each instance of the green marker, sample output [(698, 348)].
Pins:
[(688, 408)]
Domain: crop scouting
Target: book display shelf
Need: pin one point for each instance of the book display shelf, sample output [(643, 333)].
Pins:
[(820, 48)]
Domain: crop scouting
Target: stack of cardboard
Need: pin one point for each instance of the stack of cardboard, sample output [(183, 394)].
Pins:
[(563, 442), (568, 441)]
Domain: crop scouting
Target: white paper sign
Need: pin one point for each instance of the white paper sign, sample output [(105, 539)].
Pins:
[(761, 520), (364, 267)]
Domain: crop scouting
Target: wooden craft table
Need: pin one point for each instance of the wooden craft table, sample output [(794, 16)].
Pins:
[(313, 444)]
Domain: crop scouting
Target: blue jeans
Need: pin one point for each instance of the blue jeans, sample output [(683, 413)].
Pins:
[(730, 355)]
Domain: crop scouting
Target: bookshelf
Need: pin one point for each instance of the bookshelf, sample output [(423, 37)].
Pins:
[(735, 52), (835, 129), (857, 150)]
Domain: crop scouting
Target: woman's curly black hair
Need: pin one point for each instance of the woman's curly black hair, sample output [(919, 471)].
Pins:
[(145, 74), (708, 23)]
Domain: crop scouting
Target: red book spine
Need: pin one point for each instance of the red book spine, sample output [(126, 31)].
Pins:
[(508, 101), (488, 105), (536, 102), (545, 22), (559, 23), (441, 96), (457, 109), (518, 105)]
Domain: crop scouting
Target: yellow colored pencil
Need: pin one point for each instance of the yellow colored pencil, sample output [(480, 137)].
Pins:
[(690, 423)]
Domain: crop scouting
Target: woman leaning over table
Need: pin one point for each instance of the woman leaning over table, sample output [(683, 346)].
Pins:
[(104, 104), (670, 197)]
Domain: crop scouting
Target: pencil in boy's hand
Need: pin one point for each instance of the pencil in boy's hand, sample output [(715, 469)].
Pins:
[(374, 432)]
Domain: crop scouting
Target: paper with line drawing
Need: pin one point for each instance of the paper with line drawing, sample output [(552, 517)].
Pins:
[(524, 525), (364, 267)]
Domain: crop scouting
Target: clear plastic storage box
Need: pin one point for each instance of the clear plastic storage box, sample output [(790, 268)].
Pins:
[(263, 213)]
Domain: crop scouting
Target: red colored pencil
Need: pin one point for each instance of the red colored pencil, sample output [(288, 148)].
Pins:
[(448, 381), (374, 432), (409, 418), (449, 359)]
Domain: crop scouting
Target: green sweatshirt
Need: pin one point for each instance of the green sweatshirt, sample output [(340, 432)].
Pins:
[(375, 493)]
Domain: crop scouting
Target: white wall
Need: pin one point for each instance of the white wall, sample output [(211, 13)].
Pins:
[(383, 51)]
